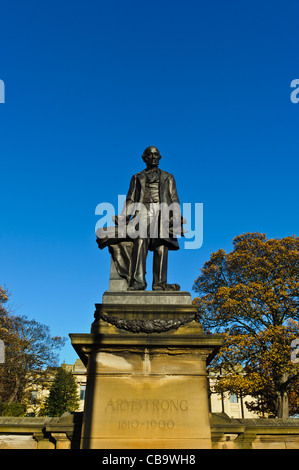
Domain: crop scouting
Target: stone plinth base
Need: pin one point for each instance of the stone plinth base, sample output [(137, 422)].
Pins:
[(146, 390), (149, 297)]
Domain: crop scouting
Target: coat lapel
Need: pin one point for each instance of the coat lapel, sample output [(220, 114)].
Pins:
[(142, 177), (163, 177)]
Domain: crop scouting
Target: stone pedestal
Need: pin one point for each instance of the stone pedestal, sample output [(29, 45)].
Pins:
[(147, 388)]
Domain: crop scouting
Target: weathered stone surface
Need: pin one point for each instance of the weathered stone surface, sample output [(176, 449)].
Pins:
[(146, 390), (142, 318), (17, 441), (150, 297), (227, 433), (35, 433), (259, 433), (133, 407)]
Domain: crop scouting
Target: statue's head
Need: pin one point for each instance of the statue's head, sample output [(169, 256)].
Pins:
[(151, 156)]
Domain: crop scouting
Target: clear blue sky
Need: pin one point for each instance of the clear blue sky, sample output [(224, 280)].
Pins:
[(89, 85)]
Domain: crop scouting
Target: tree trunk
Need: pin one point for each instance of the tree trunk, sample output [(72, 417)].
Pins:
[(14, 392), (282, 405)]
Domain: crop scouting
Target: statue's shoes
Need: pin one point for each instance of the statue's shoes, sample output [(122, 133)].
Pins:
[(136, 287), (167, 287)]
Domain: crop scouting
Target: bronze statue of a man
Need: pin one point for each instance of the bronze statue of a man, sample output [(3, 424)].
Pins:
[(152, 218)]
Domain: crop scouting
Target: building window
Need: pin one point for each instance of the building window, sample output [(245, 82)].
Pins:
[(233, 398), (82, 392)]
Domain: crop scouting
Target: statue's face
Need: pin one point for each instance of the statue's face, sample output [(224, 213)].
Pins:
[(151, 157)]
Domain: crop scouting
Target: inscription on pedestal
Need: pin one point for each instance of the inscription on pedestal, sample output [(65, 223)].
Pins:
[(146, 391), (149, 407), (147, 414)]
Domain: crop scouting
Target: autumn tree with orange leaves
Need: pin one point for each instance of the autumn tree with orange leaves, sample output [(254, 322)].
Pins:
[(251, 296)]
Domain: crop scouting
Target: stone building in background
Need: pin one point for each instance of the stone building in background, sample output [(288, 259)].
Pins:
[(228, 403)]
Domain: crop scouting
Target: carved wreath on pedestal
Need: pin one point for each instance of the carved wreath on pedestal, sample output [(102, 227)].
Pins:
[(146, 326)]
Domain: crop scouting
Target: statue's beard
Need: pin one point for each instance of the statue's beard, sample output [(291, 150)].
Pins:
[(153, 164)]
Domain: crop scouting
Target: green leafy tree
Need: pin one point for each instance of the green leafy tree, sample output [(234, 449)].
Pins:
[(30, 351), (251, 296), (63, 394)]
